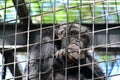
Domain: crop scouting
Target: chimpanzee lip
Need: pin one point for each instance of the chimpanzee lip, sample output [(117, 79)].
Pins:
[(73, 46)]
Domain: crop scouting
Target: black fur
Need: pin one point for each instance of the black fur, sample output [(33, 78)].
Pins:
[(41, 58), (47, 62)]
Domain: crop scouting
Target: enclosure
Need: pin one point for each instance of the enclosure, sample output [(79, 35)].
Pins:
[(22, 23)]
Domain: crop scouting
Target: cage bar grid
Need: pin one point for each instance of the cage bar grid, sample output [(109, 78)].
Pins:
[(29, 25)]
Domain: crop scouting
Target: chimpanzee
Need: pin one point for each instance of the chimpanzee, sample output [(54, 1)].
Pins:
[(75, 39), (48, 62)]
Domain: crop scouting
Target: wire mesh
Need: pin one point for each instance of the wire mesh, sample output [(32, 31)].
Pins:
[(25, 24)]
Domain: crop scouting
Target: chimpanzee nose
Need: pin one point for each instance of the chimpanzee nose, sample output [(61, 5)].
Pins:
[(74, 41)]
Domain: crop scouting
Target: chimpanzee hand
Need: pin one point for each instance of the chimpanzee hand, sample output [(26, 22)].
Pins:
[(60, 53), (72, 52)]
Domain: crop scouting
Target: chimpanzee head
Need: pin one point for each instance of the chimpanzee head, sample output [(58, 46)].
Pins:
[(74, 35)]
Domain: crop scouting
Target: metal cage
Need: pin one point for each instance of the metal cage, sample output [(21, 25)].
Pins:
[(22, 23)]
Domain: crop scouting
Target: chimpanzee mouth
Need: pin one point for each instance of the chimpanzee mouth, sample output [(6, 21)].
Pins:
[(73, 47), (73, 50)]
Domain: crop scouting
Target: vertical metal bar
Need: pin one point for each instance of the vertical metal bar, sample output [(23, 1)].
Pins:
[(3, 44), (28, 40), (67, 23), (41, 12), (107, 14), (80, 21), (66, 5), (15, 41), (93, 36), (54, 21)]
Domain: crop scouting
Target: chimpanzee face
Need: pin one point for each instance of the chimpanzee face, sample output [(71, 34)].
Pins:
[(74, 35)]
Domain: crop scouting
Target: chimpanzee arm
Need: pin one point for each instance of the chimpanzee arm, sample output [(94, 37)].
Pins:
[(32, 67), (41, 62), (97, 71)]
